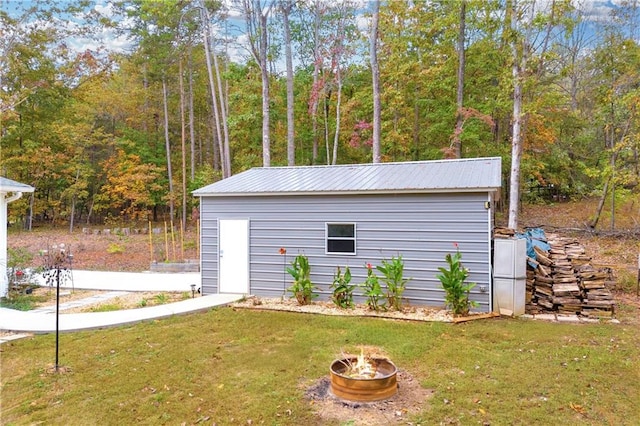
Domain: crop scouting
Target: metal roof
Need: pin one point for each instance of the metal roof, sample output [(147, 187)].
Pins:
[(460, 175), (8, 185)]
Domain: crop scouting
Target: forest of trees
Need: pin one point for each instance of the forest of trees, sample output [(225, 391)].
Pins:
[(205, 89)]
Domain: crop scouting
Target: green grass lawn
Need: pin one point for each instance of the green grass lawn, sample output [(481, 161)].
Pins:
[(229, 367)]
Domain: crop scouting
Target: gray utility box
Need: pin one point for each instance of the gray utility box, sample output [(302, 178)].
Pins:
[(510, 258), (509, 276)]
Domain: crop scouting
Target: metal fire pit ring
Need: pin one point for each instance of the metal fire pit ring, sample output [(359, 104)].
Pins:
[(383, 386)]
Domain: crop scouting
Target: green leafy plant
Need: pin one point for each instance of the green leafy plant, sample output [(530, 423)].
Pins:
[(115, 248), (373, 290), (342, 289), (393, 277), (455, 286), (21, 301), (302, 287), (161, 298)]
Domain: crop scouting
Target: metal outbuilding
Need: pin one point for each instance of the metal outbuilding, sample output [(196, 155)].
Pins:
[(350, 215)]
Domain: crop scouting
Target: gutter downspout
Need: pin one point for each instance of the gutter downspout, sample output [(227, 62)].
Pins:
[(4, 279)]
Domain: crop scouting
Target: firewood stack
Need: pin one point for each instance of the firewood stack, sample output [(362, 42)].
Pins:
[(563, 280)]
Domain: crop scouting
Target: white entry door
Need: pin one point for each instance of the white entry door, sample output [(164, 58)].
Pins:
[(234, 255)]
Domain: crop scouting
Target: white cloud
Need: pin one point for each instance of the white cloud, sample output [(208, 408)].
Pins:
[(595, 10), (104, 10)]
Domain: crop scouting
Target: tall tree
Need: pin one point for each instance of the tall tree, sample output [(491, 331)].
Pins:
[(530, 33), (256, 14), (615, 65), (285, 7), (167, 143), (456, 141), (375, 74), (518, 65), (218, 103)]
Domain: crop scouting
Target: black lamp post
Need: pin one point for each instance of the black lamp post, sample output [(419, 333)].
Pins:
[(55, 261)]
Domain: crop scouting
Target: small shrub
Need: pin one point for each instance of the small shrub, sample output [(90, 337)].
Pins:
[(115, 248), (302, 287), (190, 245), (373, 290), (455, 286), (392, 272), (161, 298), (142, 303), (626, 282), (20, 301), (342, 289)]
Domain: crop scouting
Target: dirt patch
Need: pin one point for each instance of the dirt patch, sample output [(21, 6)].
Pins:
[(46, 296), (108, 252), (410, 399)]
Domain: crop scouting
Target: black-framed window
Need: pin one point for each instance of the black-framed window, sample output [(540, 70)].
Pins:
[(341, 238)]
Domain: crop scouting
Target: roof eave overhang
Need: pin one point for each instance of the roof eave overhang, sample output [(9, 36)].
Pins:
[(6, 189), (361, 192)]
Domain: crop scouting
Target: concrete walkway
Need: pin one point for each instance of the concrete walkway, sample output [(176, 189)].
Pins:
[(44, 320)]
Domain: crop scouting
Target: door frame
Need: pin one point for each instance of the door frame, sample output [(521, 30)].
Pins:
[(239, 232)]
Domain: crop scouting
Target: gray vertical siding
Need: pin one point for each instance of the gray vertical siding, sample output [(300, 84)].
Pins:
[(421, 227), (208, 247)]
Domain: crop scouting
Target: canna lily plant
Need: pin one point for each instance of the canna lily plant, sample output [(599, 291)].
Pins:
[(454, 284), (302, 287)]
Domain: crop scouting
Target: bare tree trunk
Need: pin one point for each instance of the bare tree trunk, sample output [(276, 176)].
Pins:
[(416, 130), (226, 150), (183, 143), (337, 58), (73, 204), (336, 136), (286, 6), (30, 221), (192, 130), (216, 146), (375, 73), (256, 15), (317, 60), (73, 213), (596, 218), (326, 125), (214, 103), (167, 146), (516, 148), (456, 142), (264, 72), (89, 212)]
